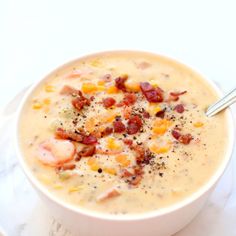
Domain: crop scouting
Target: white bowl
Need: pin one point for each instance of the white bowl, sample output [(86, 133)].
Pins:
[(161, 222)]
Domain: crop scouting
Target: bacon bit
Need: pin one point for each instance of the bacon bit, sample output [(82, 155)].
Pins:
[(175, 134), (177, 94), (182, 138), (108, 102), (106, 131), (143, 65), (125, 173), (140, 153), (185, 138), (174, 96), (90, 139), (92, 98), (119, 127), (146, 115), (128, 142), (136, 180), (63, 134), (129, 99), (66, 167), (120, 82), (152, 94), (127, 112), (80, 101), (134, 124), (74, 74), (107, 152), (161, 114), (109, 194), (137, 176), (78, 157), (106, 78), (87, 151), (179, 108), (68, 90)]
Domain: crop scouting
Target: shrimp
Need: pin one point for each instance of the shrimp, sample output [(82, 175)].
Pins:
[(55, 152)]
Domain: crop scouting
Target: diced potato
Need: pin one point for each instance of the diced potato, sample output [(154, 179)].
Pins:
[(54, 125)]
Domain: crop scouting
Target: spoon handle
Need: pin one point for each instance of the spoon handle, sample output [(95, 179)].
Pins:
[(224, 102)]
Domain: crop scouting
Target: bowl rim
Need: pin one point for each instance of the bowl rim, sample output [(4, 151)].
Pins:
[(130, 217)]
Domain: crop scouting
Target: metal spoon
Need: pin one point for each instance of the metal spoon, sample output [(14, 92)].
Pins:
[(224, 102)]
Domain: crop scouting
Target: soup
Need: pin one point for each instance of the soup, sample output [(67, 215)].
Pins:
[(122, 133)]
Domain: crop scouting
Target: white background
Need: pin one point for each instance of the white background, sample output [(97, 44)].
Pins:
[(37, 36)]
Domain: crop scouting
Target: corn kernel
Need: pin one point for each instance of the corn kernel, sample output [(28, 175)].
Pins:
[(154, 84), (101, 88), (101, 82), (161, 126), (37, 105), (96, 63), (153, 109), (92, 161), (45, 179), (108, 117), (112, 144), (159, 150), (47, 101), (57, 186), (74, 189), (123, 160), (110, 171), (132, 86), (112, 89), (198, 124), (88, 88), (49, 88)]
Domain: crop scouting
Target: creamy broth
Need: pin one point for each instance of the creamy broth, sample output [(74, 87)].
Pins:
[(142, 154)]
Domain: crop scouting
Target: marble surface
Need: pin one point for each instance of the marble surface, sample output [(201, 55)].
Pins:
[(23, 214)]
